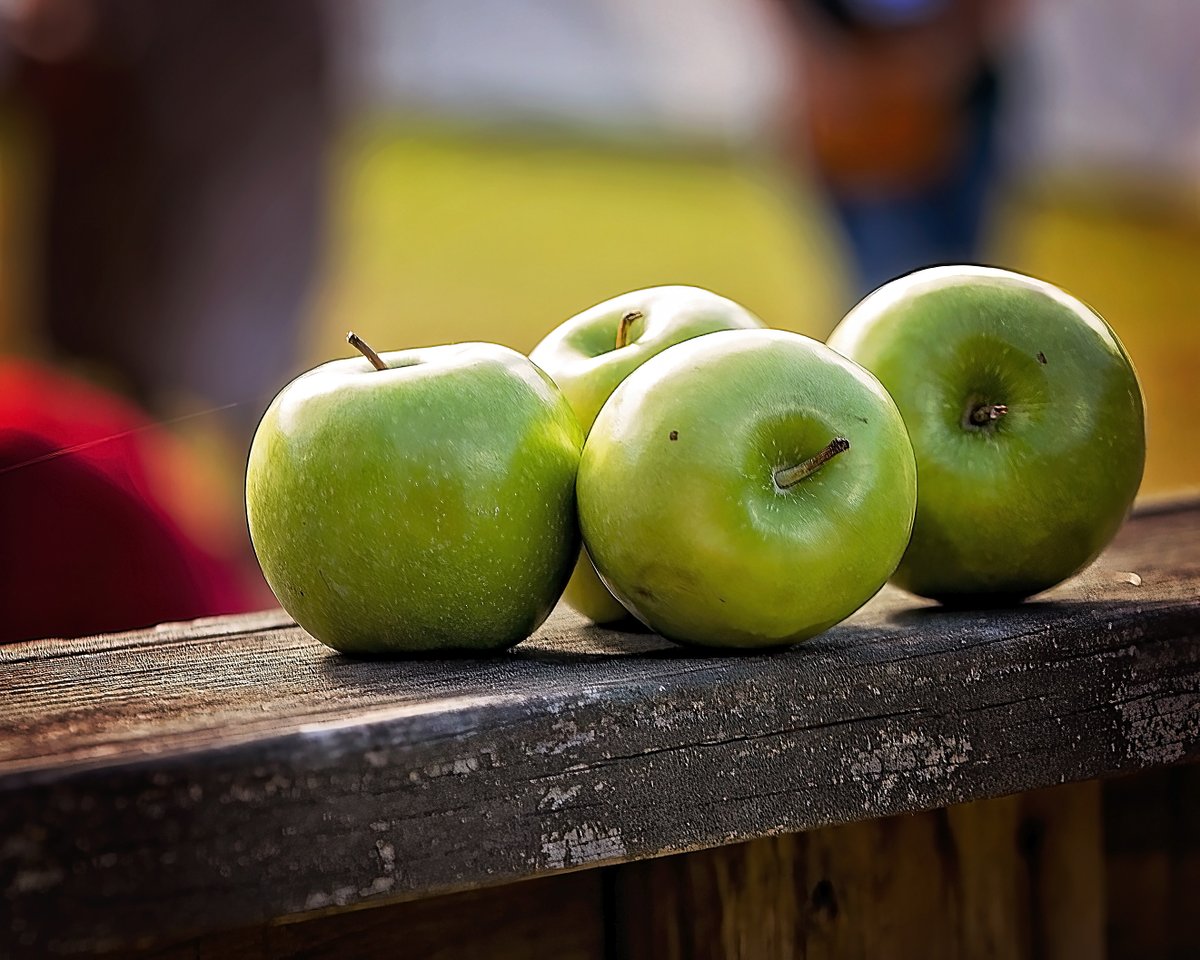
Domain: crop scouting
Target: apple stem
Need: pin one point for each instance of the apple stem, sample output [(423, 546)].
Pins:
[(987, 413), (790, 476), (361, 345), (627, 321)]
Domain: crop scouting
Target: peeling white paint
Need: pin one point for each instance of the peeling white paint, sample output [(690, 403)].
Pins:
[(387, 855), (556, 797), (571, 737), (456, 767), (671, 716), (376, 758), (340, 897), (913, 756), (583, 844), (1158, 728), (378, 885)]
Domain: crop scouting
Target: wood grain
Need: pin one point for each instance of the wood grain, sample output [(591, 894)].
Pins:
[(743, 900), (1002, 879), (167, 783), (560, 917), (1152, 853)]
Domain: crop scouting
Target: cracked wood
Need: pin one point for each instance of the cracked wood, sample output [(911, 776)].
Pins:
[(201, 776)]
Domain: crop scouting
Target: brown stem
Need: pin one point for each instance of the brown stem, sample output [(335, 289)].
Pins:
[(790, 476), (627, 321), (987, 413), (361, 345)]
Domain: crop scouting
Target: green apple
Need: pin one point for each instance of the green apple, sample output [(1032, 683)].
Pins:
[(417, 500), (749, 488), (1027, 421), (588, 355)]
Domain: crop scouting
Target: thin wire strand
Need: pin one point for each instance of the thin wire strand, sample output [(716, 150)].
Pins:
[(89, 444)]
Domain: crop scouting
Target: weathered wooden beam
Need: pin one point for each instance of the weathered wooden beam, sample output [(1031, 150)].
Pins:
[(166, 783)]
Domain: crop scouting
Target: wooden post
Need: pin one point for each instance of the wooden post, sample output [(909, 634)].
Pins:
[(1014, 877), (1152, 849), (559, 917)]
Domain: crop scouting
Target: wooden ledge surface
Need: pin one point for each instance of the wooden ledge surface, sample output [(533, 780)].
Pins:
[(196, 777)]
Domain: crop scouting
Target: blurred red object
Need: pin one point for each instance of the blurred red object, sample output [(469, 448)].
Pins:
[(90, 538)]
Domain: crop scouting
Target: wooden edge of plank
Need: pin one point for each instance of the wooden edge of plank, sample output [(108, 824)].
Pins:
[(354, 814)]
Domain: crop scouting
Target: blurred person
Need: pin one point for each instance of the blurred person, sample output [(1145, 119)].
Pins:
[(895, 114), (179, 204), (182, 199), (104, 516)]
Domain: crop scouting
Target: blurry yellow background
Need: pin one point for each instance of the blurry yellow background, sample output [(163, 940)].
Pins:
[(439, 236), (1138, 268)]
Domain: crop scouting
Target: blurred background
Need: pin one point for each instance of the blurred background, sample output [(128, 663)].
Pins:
[(197, 200)]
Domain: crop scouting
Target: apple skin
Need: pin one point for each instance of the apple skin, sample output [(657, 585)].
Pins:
[(680, 507), (587, 595), (1010, 508), (582, 358), (426, 507)]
